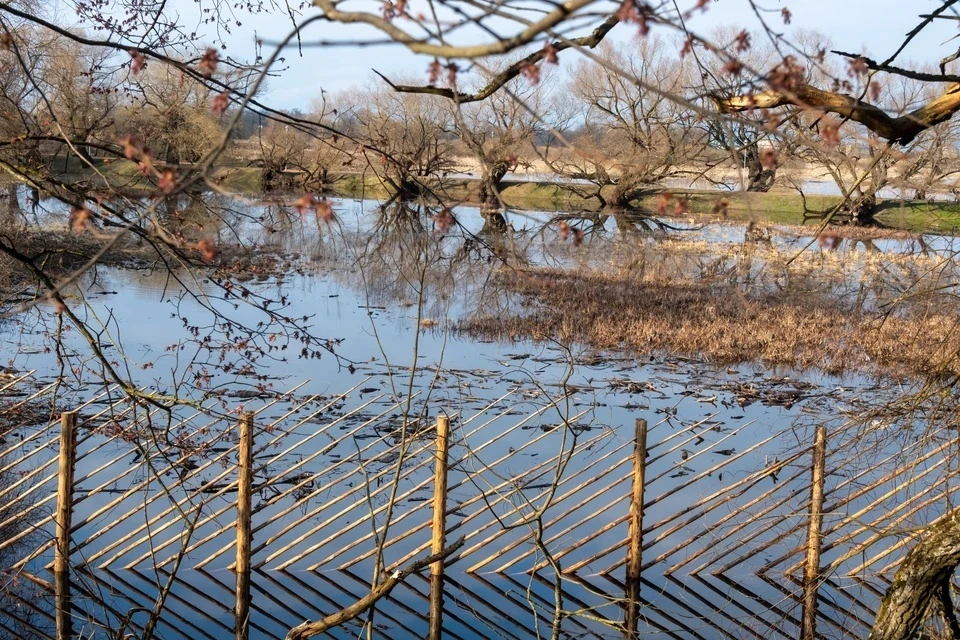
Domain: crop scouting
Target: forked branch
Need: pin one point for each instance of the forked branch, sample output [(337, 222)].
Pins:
[(561, 13), (511, 72)]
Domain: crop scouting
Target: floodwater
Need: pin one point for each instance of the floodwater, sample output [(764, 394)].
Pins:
[(543, 446)]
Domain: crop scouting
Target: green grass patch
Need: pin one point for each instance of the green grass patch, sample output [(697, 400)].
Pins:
[(776, 208)]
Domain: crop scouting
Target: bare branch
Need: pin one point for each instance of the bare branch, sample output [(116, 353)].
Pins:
[(560, 14), (511, 72), (925, 76), (310, 629)]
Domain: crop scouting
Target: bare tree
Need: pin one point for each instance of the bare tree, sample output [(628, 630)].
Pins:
[(500, 134), (636, 137), (408, 139), (170, 114)]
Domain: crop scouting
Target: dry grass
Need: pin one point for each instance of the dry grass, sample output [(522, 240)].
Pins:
[(812, 313)]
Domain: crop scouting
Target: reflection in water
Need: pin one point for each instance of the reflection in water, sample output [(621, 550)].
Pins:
[(285, 267), (727, 471), (22, 602)]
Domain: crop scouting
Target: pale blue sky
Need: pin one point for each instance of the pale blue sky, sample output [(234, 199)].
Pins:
[(873, 26)]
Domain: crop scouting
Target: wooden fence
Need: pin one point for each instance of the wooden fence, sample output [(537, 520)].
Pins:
[(246, 522)]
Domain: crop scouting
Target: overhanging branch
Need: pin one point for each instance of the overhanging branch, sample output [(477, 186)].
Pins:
[(511, 72), (899, 130), (562, 12), (924, 76)]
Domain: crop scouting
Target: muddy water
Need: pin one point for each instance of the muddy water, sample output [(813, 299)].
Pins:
[(727, 474)]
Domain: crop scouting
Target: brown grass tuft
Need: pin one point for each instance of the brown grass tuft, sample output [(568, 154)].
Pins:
[(810, 323)]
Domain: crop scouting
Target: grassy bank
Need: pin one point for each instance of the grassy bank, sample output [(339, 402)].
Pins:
[(775, 207)]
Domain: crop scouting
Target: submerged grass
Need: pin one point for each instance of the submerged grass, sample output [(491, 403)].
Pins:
[(836, 313)]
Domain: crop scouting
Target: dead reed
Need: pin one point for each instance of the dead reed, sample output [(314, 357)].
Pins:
[(890, 315)]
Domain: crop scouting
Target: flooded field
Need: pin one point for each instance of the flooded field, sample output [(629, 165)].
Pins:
[(542, 450)]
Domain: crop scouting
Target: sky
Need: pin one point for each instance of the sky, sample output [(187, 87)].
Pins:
[(873, 27)]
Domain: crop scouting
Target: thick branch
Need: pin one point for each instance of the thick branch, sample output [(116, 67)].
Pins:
[(358, 608), (900, 130), (923, 572), (562, 12), (947, 609), (511, 72)]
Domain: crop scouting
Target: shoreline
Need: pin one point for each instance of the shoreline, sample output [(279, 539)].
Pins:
[(776, 207)]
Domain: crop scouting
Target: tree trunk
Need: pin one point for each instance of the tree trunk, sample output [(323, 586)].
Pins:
[(13, 204), (489, 196), (762, 180), (625, 191), (924, 572), (489, 192), (759, 178), (862, 209), (620, 197), (407, 190)]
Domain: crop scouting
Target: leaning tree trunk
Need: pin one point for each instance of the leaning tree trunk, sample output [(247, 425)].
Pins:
[(489, 195), (923, 578), (759, 178)]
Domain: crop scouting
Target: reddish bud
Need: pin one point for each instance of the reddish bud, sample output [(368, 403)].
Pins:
[(167, 182), (768, 158), (743, 41), (137, 62), (444, 220), (788, 75), (132, 147), (433, 71), (530, 71), (324, 212), (830, 133), (858, 67), (220, 103), (662, 201), (207, 251), (78, 218), (208, 62), (680, 207), (550, 53), (305, 203), (733, 67), (720, 207)]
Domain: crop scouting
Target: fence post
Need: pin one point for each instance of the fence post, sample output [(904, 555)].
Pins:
[(61, 561), (244, 489), (635, 530), (439, 526), (811, 572)]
